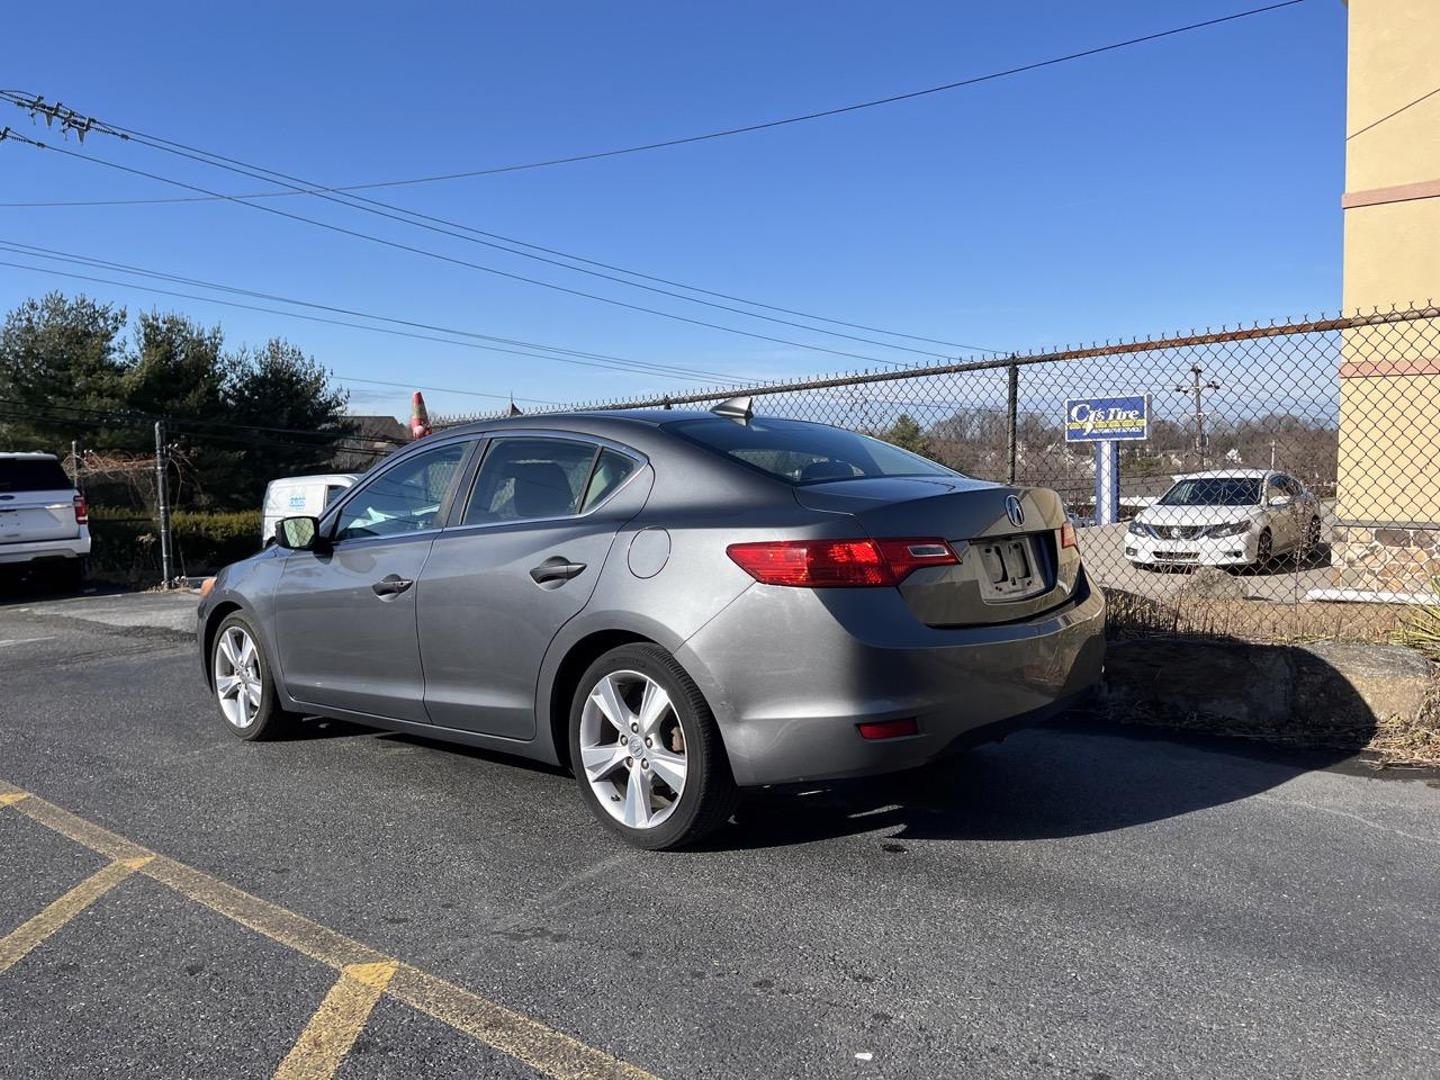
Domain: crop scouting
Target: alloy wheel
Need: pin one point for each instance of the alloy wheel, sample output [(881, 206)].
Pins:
[(238, 684), (632, 749)]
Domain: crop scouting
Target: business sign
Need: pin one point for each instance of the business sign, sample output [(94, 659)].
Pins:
[(1108, 419)]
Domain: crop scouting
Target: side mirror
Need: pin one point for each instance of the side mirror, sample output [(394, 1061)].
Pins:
[(298, 533)]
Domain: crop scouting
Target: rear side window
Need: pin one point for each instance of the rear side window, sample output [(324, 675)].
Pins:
[(524, 478), (802, 453), (33, 474), (611, 471)]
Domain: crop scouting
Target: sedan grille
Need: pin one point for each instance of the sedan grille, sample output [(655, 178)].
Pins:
[(1179, 532)]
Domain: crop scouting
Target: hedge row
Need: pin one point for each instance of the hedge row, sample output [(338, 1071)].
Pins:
[(126, 543)]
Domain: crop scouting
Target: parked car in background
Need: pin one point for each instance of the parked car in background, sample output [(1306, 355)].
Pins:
[(297, 496), (1230, 517), (675, 604), (44, 523)]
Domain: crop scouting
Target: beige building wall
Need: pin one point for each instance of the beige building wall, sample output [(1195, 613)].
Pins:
[(1389, 479)]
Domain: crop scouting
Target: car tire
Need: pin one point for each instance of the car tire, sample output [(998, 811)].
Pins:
[(617, 759), (1264, 550), (1312, 538), (249, 708)]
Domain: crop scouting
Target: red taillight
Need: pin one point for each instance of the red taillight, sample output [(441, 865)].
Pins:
[(818, 564), (889, 729), (82, 512), (1067, 535)]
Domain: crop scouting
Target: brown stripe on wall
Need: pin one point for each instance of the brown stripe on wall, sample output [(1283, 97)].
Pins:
[(1381, 369), (1424, 189)]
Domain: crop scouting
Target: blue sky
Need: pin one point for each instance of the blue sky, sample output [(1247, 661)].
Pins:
[(1186, 182)]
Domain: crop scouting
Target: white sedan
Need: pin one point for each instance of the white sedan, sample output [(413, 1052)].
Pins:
[(1234, 517)]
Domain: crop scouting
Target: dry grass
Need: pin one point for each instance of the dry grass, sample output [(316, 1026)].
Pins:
[(1200, 613), (1196, 613), (1420, 626)]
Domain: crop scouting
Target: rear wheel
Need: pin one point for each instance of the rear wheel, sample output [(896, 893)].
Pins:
[(646, 752), (244, 687)]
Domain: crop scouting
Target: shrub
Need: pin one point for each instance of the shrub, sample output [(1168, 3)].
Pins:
[(126, 543)]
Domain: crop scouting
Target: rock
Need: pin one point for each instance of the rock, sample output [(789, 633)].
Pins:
[(1325, 694)]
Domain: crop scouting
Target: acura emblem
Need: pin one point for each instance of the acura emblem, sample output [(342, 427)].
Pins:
[(1015, 510)]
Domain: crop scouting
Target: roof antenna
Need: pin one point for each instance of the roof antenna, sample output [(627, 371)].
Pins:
[(736, 408), (514, 409)]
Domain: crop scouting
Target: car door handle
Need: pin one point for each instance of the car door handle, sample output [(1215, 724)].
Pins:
[(556, 569), (392, 585)]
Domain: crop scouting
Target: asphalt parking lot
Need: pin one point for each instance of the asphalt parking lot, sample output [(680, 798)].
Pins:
[(1078, 901)]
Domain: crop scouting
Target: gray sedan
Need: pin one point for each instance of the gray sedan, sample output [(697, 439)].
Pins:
[(675, 605)]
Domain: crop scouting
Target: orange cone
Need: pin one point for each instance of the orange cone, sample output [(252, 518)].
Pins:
[(419, 418)]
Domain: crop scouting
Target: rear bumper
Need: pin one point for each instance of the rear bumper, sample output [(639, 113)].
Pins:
[(75, 548), (791, 673)]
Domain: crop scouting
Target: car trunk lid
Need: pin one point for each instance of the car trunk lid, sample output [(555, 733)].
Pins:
[(1011, 566)]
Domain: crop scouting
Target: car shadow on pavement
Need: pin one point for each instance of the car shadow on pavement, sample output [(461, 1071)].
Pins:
[(1073, 777)]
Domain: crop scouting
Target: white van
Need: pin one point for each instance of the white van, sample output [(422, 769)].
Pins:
[(300, 496)]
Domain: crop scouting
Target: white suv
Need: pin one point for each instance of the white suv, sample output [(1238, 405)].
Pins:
[(43, 519)]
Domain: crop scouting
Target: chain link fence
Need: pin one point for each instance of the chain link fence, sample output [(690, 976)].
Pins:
[(1288, 484)]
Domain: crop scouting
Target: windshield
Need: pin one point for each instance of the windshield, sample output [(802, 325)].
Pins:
[(1213, 491), (801, 453)]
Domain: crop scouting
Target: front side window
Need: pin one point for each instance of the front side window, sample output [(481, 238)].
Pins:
[(404, 499), (801, 453), (525, 478)]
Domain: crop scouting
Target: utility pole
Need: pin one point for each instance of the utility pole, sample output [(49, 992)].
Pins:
[(1197, 389), (1012, 410), (162, 505)]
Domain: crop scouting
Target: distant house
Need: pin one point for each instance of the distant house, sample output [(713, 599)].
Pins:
[(373, 436)]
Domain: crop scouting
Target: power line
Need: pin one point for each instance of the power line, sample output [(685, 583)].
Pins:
[(399, 246), (301, 186), (309, 188), (624, 363), (321, 319), (1392, 115), (746, 129), (125, 415), (341, 322)]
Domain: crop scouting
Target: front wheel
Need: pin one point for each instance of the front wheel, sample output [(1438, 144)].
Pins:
[(646, 751), (1264, 550), (244, 687)]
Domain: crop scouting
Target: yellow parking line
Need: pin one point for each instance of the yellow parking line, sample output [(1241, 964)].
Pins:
[(536, 1044), (337, 1023), (542, 1048), (19, 942)]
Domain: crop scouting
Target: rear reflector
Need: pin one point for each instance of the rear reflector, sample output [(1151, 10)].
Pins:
[(819, 564), (1067, 536), (82, 512), (890, 729)]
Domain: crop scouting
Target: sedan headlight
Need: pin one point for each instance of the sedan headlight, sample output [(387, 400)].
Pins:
[(1237, 528), (1138, 529)]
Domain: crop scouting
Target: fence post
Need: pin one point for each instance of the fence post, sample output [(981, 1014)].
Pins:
[(1011, 413), (162, 505)]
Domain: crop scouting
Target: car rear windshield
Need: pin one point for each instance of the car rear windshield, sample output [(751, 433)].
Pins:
[(32, 474), (1213, 491), (801, 453)]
